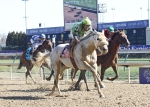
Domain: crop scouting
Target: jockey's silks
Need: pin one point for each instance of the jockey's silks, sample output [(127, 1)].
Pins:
[(106, 33), (28, 56)]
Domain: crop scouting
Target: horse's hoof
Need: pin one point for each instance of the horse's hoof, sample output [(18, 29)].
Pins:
[(61, 96), (88, 90), (102, 96), (102, 86), (48, 94), (110, 79), (48, 79), (95, 85), (76, 88)]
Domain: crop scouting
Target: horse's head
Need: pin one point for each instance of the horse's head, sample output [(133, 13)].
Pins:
[(120, 37), (101, 43), (47, 44)]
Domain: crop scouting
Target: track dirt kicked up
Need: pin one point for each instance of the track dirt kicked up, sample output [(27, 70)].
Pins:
[(15, 93)]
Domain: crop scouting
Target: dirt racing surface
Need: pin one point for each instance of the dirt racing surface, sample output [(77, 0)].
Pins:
[(16, 93)]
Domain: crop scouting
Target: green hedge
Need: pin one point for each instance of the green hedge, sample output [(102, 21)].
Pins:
[(135, 55), (14, 48)]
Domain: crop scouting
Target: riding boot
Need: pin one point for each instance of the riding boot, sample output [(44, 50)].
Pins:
[(69, 47), (31, 52)]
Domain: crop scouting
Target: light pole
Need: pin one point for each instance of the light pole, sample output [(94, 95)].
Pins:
[(25, 15), (102, 9), (148, 13), (141, 12), (113, 9)]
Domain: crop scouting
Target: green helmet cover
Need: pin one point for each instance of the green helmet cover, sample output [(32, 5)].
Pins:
[(110, 29), (86, 21)]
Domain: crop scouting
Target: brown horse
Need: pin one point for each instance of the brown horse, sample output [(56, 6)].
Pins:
[(108, 60), (29, 64)]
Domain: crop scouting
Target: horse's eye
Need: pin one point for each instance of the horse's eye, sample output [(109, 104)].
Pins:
[(99, 39)]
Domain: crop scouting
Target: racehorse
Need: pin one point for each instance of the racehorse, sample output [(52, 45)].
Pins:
[(108, 60), (84, 56), (29, 64)]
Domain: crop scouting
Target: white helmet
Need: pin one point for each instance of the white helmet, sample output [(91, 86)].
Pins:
[(42, 36)]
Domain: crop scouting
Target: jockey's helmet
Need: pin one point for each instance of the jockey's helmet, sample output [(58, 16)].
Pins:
[(110, 29), (86, 21), (42, 36)]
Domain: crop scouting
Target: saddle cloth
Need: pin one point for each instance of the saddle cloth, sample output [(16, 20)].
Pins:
[(28, 55), (65, 53)]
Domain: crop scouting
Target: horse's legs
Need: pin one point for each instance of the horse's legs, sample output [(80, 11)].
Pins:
[(56, 77), (63, 67), (43, 72), (29, 68), (102, 72), (116, 72), (26, 75), (98, 81), (73, 73), (61, 77), (49, 78), (31, 76), (96, 77), (28, 72), (58, 72), (82, 76), (85, 80), (55, 83)]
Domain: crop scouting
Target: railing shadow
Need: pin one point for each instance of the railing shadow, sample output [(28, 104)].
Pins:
[(21, 98)]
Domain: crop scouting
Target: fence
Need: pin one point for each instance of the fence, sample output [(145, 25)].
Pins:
[(124, 64)]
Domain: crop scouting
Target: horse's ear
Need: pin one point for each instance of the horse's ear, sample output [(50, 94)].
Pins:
[(94, 30), (103, 32)]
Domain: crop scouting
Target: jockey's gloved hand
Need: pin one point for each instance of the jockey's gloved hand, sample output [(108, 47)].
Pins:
[(78, 41), (109, 39)]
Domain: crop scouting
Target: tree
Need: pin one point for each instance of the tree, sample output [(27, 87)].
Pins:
[(16, 40)]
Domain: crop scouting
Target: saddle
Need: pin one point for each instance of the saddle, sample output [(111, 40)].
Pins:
[(65, 53), (68, 53)]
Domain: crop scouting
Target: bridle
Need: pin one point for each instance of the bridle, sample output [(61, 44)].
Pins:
[(120, 34), (44, 47)]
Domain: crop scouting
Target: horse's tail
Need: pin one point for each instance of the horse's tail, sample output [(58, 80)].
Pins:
[(42, 58), (20, 65)]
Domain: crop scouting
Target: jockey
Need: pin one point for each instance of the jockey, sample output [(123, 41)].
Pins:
[(37, 40), (109, 32), (78, 30)]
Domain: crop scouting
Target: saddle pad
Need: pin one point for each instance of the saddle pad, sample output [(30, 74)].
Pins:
[(28, 56), (65, 53)]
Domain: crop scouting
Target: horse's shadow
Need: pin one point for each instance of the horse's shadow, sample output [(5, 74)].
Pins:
[(21, 98), (39, 89)]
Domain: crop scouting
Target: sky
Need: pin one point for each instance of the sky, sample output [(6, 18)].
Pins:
[(50, 13), (125, 10)]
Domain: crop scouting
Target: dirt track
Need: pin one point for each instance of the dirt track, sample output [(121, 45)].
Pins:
[(16, 93)]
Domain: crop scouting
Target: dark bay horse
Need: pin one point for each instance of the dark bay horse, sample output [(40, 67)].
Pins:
[(108, 60), (29, 64)]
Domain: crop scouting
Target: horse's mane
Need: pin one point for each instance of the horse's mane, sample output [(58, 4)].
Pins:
[(89, 34), (39, 47), (116, 33), (44, 41)]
